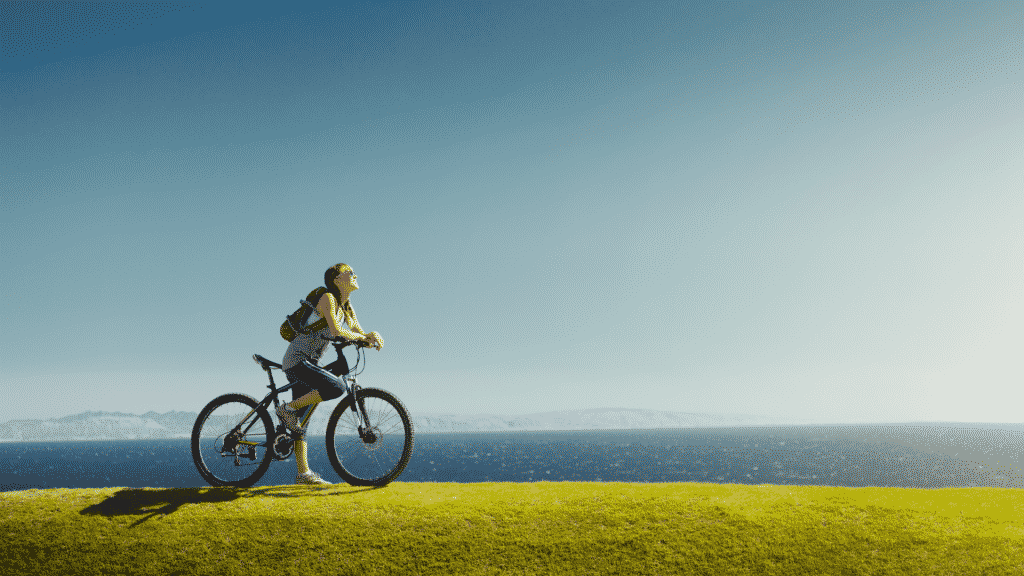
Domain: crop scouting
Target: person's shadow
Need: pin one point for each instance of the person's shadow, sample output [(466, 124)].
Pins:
[(149, 502)]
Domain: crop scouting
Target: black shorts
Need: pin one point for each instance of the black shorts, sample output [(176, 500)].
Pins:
[(312, 377)]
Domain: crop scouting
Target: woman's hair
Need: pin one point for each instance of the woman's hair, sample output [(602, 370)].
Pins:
[(329, 276)]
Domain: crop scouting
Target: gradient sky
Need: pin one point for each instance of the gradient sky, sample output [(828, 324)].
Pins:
[(799, 209)]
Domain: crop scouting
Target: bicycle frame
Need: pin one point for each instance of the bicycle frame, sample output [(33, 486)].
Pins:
[(351, 388)]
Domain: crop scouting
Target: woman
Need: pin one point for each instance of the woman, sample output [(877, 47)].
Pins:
[(300, 360)]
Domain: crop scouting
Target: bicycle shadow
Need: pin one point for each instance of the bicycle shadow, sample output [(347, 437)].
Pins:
[(150, 502)]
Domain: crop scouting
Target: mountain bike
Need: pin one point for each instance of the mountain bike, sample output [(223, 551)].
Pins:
[(234, 439)]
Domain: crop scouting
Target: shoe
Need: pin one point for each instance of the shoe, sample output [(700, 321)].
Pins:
[(311, 478), (289, 417)]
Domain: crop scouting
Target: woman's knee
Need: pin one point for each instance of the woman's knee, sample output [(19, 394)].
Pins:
[(328, 385), (329, 393)]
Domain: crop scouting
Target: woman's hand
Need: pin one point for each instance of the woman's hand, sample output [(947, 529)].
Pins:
[(375, 340)]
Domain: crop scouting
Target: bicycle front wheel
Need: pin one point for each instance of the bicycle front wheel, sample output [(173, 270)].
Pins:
[(231, 441), (374, 456)]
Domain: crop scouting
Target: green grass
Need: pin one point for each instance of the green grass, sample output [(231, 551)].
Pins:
[(510, 528)]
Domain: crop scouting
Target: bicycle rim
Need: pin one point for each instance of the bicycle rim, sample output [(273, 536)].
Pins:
[(235, 459), (379, 457)]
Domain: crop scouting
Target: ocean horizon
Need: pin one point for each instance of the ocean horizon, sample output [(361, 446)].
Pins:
[(873, 455)]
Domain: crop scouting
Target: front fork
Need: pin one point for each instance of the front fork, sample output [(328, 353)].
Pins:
[(364, 418)]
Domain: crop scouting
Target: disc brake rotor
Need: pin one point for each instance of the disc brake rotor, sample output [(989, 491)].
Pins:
[(371, 438)]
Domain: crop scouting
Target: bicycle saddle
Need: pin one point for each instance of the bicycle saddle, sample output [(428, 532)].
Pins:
[(266, 364)]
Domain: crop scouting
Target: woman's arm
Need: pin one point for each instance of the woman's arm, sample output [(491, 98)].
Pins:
[(354, 324), (327, 307), (373, 338)]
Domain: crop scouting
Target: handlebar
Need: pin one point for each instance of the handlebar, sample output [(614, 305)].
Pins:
[(343, 342)]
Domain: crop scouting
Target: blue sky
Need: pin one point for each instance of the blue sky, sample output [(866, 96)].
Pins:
[(801, 209)]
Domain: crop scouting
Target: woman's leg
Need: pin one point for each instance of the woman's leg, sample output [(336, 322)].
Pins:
[(299, 401), (325, 386), (300, 457), (318, 379), (305, 400), (301, 463)]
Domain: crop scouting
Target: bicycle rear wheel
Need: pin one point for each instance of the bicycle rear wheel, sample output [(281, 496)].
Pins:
[(378, 455), (231, 441)]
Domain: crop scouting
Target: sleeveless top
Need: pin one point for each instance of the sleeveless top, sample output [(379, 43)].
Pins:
[(310, 346)]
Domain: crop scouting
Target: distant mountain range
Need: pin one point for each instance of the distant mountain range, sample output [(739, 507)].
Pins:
[(121, 426)]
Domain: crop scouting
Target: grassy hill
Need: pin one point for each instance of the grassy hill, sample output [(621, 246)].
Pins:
[(512, 528)]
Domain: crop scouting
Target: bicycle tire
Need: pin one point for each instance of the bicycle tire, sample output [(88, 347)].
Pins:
[(348, 465), (208, 446)]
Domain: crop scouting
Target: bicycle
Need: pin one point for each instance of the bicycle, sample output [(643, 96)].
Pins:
[(369, 433)]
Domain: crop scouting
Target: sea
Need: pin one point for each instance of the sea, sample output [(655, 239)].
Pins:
[(916, 455)]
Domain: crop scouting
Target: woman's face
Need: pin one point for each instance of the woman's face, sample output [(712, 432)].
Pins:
[(346, 281)]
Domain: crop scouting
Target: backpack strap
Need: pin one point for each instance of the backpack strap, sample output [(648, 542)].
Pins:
[(310, 301)]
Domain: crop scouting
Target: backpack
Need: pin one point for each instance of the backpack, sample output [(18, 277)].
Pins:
[(295, 323)]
